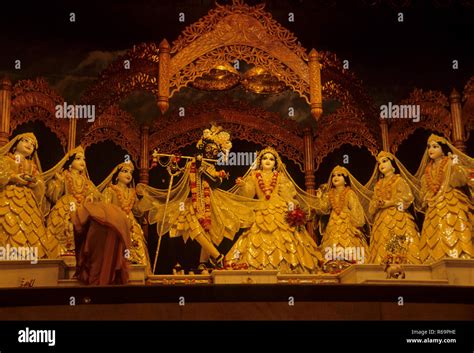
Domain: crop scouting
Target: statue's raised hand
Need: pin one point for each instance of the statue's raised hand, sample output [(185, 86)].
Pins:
[(59, 176)]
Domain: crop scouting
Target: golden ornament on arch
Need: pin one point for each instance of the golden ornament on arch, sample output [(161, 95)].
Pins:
[(259, 80), (221, 77)]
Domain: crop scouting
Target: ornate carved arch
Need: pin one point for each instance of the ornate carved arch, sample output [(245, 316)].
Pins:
[(117, 126), (239, 31), (241, 120), (363, 107), (36, 100), (468, 107), (345, 126), (119, 80), (226, 33), (434, 113)]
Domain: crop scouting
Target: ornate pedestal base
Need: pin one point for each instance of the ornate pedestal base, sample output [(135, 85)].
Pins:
[(446, 271), (25, 274), (244, 277)]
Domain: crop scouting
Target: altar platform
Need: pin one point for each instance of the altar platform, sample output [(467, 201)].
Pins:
[(60, 273), (47, 291)]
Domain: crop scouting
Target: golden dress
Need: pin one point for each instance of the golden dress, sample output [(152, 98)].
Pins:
[(346, 217), (447, 228), (67, 195), (127, 200), (271, 243), (21, 217), (394, 220)]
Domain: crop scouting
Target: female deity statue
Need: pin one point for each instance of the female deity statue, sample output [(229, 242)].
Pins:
[(346, 202), (393, 229), (273, 243), (21, 197), (445, 186), (68, 188), (118, 189), (193, 208)]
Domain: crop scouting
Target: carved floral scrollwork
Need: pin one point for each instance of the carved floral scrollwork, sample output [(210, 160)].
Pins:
[(345, 126), (434, 112), (468, 107), (251, 55), (215, 16), (117, 126), (35, 100), (121, 79)]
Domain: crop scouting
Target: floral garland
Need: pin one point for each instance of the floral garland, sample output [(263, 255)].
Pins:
[(261, 184), (337, 206), (204, 220), (383, 190), (125, 203), (78, 193), (435, 185)]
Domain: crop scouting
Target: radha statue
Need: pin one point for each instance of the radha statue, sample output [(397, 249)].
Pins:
[(346, 202), (68, 188), (272, 242), (446, 187), (21, 197), (394, 230), (118, 189)]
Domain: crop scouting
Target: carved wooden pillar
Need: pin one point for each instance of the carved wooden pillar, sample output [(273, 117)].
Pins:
[(163, 76), (71, 139), (315, 88), (144, 167), (5, 105), (144, 154), (456, 118), (309, 179), (385, 137)]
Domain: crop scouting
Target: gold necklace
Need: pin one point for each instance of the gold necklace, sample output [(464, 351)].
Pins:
[(339, 204), (80, 191), (383, 189), (125, 197)]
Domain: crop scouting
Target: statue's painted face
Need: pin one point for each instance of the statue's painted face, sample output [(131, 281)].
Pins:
[(211, 150), (385, 165), (79, 162), (25, 147), (268, 161), (125, 175), (338, 179), (434, 150)]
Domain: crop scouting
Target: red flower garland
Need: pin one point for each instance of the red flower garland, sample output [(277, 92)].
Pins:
[(204, 220), (439, 170), (261, 184)]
